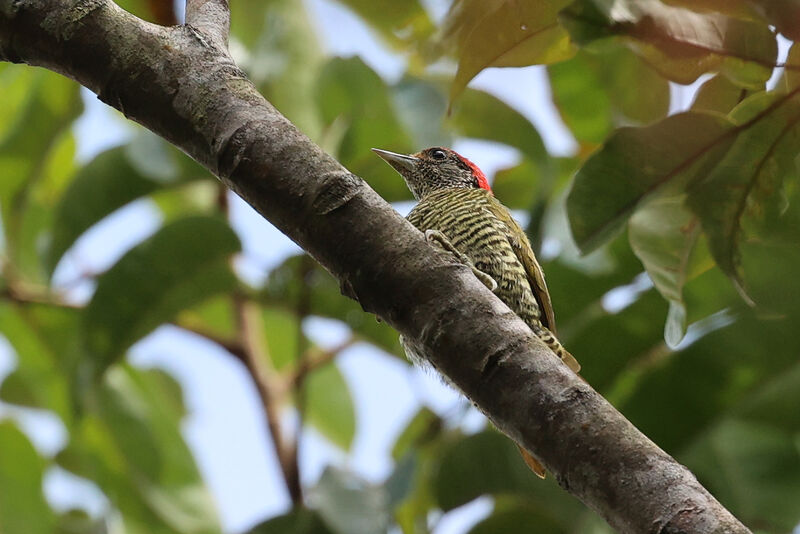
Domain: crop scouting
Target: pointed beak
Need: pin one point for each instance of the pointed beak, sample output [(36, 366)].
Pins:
[(400, 162)]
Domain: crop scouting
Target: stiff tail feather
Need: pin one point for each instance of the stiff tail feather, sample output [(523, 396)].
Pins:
[(532, 463), (555, 345)]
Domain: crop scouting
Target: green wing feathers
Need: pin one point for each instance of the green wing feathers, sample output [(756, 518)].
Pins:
[(482, 229)]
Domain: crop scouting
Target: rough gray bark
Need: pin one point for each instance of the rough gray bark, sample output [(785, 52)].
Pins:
[(181, 83)]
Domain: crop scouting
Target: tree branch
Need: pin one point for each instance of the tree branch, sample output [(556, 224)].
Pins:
[(185, 87), (212, 18), (314, 358), (271, 393)]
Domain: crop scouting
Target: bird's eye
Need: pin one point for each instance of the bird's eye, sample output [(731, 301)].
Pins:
[(438, 155)]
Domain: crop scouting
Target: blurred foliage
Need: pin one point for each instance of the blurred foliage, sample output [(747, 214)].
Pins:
[(705, 201)]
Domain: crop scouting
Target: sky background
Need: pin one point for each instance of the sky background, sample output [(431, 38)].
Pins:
[(226, 429)]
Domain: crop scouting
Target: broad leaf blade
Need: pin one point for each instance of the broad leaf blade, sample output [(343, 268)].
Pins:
[(607, 86), (664, 235), (284, 288), (636, 162), (50, 103), (490, 463), (44, 339), (181, 265), (753, 469), (503, 33), (508, 518), (678, 42), (23, 509), (761, 157), (399, 23), (483, 116), (350, 505), (298, 521), (129, 443), (352, 94), (329, 405), (111, 180), (718, 94)]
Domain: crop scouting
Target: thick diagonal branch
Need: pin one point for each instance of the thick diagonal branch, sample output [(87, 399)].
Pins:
[(186, 89)]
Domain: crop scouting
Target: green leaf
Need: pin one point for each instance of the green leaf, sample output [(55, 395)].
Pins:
[(284, 288), (753, 469), (503, 33), (417, 453), (23, 509), (664, 235), (298, 521), (581, 99), (183, 264), (784, 14), (742, 9), (45, 341), (15, 85), (518, 187), (283, 335), (329, 405), (604, 86), (483, 116), (78, 521), (400, 484), (421, 107), (423, 426), (200, 197), (718, 94), (58, 168), (327, 401), (765, 264), (129, 443), (111, 180), (680, 396), (216, 316), (678, 42), (489, 463), (629, 336), (348, 504), (761, 157), (636, 162), (147, 10), (105, 184), (774, 403), (283, 57), (509, 517), (399, 23), (790, 80), (348, 90), (50, 104)]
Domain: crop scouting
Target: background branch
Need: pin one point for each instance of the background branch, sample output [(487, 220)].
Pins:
[(187, 89)]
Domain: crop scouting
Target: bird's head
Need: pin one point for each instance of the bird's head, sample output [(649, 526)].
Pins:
[(434, 169)]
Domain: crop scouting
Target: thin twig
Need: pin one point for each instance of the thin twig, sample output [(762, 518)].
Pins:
[(233, 346), (269, 390), (316, 358), (303, 309)]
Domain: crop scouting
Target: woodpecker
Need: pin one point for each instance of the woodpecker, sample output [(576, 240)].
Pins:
[(458, 212)]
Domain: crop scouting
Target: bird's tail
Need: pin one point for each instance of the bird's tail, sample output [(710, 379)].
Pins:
[(532, 463), (555, 345)]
